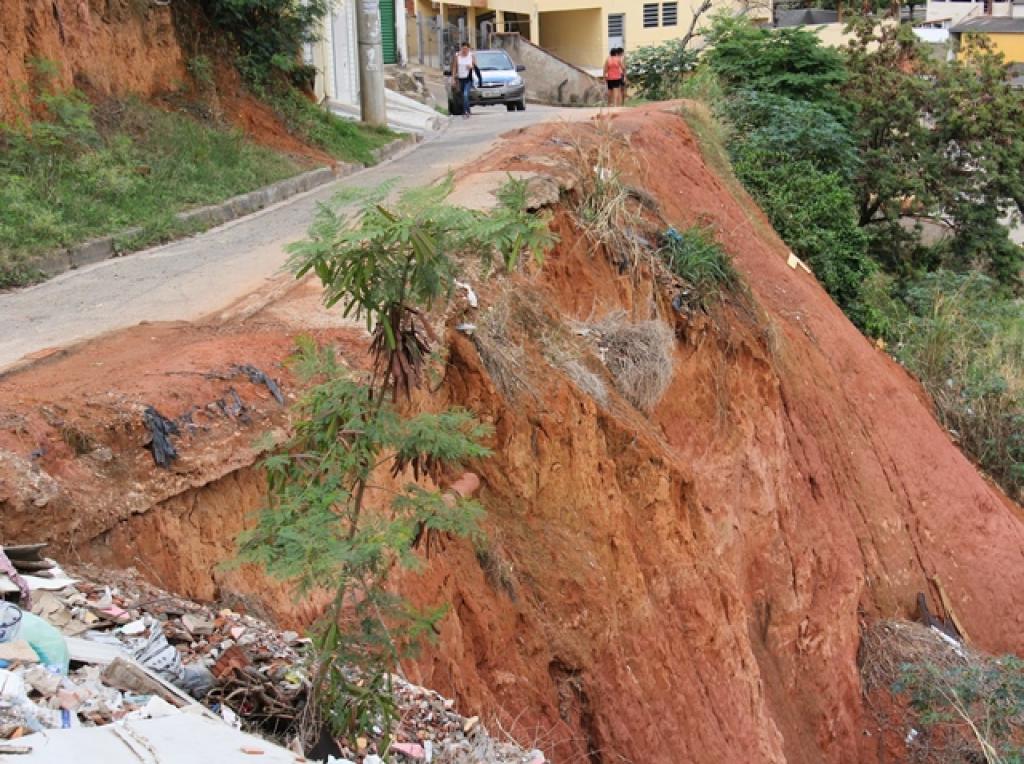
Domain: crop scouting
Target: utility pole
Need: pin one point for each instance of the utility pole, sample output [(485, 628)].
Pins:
[(371, 63)]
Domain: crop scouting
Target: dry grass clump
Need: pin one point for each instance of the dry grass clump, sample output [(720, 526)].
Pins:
[(963, 706), (607, 211), (586, 380), (563, 351), (502, 357), (638, 355)]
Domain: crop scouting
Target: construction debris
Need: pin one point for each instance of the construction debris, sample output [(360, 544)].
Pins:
[(141, 659)]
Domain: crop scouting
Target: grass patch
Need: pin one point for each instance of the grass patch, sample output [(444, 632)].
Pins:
[(341, 138), (964, 340), (83, 172), (699, 260)]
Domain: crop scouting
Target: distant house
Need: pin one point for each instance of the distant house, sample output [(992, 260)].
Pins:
[(1006, 33), (578, 31), (954, 11), (336, 55)]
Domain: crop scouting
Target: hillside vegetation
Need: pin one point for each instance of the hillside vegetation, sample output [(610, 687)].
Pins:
[(893, 176), (76, 163)]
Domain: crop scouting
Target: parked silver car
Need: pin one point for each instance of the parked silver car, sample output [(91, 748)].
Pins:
[(501, 83)]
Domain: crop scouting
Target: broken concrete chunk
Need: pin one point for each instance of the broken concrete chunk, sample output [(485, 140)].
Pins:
[(18, 651), (196, 625)]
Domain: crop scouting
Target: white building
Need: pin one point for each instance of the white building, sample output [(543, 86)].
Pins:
[(336, 55)]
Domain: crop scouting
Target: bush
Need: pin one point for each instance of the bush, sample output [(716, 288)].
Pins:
[(778, 130), (658, 71), (269, 33), (962, 705), (964, 339), (815, 214)]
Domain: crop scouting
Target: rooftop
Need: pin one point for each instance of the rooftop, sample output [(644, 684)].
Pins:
[(806, 17), (990, 24)]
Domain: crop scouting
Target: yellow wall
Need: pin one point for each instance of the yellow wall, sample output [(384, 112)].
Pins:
[(582, 53), (1010, 45), (574, 36)]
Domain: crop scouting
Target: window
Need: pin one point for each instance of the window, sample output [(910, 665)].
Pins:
[(669, 14), (650, 15), (616, 30)]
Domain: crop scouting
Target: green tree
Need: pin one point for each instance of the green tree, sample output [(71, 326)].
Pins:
[(939, 141), (785, 62), (326, 524)]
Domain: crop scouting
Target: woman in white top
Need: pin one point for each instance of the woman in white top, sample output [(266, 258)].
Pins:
[(463, 67)]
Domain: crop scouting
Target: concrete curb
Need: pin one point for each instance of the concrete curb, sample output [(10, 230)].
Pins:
[(204, 218)]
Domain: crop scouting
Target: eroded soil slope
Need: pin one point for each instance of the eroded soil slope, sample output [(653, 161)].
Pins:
[(684, 585), (114, 47), (119, 48)]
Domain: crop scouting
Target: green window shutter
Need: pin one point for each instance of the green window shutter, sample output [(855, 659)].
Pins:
[(388, 38)]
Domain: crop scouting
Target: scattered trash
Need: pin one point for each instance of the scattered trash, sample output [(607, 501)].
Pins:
[(258, 377), (140, 658), (160, 431), (470, 294), (467, 329), (794, 262)]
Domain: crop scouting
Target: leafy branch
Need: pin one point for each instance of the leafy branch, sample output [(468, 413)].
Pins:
[(327, 525)]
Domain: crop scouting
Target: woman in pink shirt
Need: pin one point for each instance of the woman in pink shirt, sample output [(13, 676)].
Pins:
[(615, 76)]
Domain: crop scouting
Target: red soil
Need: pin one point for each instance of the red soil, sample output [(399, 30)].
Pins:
[(687, 586), (114, 48)]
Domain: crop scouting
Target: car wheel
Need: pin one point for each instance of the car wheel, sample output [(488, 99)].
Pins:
[(521, 106)]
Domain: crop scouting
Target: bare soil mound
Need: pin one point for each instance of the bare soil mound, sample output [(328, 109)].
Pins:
[(687, 584)]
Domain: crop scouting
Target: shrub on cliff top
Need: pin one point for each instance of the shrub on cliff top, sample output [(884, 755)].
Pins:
[(269, 33), (695, 257)]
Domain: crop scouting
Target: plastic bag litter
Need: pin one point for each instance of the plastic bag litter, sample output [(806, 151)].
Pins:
[(160, 431), (44, 639), (159, 656)]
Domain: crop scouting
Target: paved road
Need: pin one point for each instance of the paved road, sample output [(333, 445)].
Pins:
[(195, 277)]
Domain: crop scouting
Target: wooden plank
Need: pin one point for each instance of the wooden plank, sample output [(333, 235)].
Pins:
[(948, 607)]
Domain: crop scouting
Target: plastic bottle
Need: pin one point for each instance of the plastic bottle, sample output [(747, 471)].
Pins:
[(43, 638)]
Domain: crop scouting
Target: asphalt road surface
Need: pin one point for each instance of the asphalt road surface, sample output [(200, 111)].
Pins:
[(196, 277)]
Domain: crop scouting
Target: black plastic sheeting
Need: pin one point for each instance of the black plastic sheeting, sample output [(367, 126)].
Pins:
[(161, 428), (258, 377), (160, 431)]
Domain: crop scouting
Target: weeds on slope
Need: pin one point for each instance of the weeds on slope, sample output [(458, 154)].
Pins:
[(343, 139), (965, 706), (81, 172)]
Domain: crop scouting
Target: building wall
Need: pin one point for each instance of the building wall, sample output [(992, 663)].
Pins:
[(956, 10), (1010, 45), (574, 35), (557, 27), (549, 79)]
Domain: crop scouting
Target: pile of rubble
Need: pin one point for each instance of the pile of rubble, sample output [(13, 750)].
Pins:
[(134, 654)]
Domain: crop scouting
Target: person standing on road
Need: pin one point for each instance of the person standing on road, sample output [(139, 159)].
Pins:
[(615, 76), (463, 68)]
